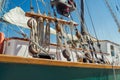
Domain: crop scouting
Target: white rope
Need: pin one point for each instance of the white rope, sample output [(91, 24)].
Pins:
[(22, 2), (38, 7), (43, 2), (46, 43)]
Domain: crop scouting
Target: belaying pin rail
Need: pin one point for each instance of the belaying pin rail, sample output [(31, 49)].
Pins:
[(29, 14)]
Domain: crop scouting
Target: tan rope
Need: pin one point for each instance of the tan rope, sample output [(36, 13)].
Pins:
[(46, 43)]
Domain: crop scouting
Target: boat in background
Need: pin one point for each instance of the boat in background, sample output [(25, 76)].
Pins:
[(75, 55)]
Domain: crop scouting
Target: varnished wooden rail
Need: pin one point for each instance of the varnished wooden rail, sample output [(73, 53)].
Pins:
[(29, 14), (22, 60)]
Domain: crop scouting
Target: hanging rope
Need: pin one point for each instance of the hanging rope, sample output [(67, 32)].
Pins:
[(41, 33), (47, 36), (59, 40), (36, 46), (33, 25), (73, 43), (82, 23), (94, 32), (79, 36), (85, 33), (66, 45)]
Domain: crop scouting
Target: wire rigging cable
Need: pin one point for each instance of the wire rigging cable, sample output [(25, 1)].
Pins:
[(81, 21), (91, 20), (118, 2), (21, 31), (113, 14), (113, 7), (2, 4), (46, 5), (23, 2), (38, 7), (118, 6)]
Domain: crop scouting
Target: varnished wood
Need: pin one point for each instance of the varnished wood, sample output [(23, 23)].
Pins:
[(28, 14), (22, 60)]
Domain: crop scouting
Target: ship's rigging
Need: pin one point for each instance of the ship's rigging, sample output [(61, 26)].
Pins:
[(113, 14), (83, 37), (74, 42)]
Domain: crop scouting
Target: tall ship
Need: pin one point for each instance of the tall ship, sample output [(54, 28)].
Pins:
[(54, 42)]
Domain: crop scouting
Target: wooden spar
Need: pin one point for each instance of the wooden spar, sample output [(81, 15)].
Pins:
[(28, 14), (83, 28)]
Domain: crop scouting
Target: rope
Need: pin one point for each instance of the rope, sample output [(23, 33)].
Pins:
[(41, 31), (59, 42), (15, 30), (32, 40), (113, 15), (47, 6), (71, 25), (66, 45), (21, 31), (47, 35), (22, 2), (43, 2), (12, 3), (92, 25), (79, 40), (34, 35), (31, 6), (2, 4), (38, 9), (91, 20), (75, 47), (39, 47), (118, 5), (83, 23), (98, 44), (33, 31)]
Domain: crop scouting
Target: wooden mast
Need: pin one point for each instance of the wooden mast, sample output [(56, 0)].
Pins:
[(83, 29)]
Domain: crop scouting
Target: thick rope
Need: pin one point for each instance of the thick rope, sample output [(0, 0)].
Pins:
[(47, 36), (41, 31)]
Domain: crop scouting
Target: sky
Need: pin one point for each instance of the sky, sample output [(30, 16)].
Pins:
[(105, 26), (104, 23)]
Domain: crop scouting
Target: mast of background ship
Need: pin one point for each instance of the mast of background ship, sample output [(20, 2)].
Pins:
[(85, 34)]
